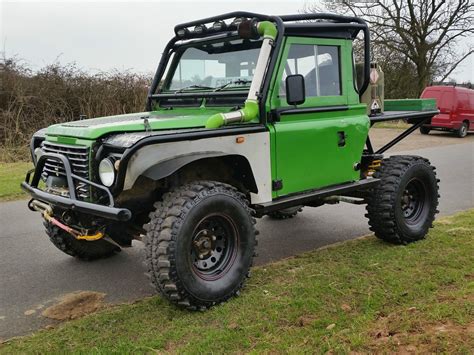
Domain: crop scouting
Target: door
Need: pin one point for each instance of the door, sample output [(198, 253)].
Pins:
[(318, 143)]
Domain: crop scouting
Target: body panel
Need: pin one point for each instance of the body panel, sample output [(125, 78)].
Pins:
[(178, 118), (308, 155), (255, 148)]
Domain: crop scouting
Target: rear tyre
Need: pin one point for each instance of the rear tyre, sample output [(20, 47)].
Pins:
[(286, 213), (402, 207), (462, 131), (80, 249), (200, 244), (425, 130)]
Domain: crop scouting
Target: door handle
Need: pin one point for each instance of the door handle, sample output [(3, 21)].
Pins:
[(341, 138)]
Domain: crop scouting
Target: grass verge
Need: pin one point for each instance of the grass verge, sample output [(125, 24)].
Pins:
[(363, 295), (11, 175)]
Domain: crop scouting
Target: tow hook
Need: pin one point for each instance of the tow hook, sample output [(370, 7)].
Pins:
[(47, 212)]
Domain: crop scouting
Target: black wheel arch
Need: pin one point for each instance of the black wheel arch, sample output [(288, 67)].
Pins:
[(233, 169)]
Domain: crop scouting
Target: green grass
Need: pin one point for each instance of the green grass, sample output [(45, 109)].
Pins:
[(362, 296), (11, 175)]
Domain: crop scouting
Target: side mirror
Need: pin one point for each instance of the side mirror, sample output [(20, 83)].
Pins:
[(295, 92)]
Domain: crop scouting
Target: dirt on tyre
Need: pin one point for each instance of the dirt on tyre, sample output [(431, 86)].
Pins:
[(200, 244), (402, 207), (462, 131), (80, 249), (286, 213)]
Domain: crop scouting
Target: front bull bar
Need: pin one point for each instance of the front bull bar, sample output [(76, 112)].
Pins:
[(30, 185)]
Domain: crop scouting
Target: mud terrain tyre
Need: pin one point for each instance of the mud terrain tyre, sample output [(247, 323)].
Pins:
[(286, 213), (81, 249), (200, 244), (402, 207)]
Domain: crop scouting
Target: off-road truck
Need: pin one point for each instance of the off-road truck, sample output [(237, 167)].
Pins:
[(247, 115)]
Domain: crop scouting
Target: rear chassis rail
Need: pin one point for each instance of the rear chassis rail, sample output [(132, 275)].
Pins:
[(30, 185), (417, 118)]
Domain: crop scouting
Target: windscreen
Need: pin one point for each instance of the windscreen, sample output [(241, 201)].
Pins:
[(222, 65)]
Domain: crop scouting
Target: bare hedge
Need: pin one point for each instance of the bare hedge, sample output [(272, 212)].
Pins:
[(57, 93)]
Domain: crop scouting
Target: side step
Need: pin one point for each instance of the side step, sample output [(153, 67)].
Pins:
[(313, 196)]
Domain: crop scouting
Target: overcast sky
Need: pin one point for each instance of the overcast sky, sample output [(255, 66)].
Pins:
[(117, 35)]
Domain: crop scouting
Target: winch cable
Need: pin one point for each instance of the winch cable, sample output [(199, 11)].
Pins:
[(47, 212)]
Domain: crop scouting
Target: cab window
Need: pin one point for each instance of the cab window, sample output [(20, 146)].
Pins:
[(320, 66)]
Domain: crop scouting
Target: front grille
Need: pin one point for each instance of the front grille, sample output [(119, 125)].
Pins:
[(78, 157)]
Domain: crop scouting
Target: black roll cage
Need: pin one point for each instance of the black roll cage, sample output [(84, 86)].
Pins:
[(325, 20)]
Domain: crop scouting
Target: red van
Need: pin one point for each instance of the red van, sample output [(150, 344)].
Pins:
[(456, 106)]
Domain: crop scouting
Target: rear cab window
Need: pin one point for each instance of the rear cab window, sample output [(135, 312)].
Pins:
[(319, 66)]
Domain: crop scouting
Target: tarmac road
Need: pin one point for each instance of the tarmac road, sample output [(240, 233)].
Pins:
[(33, 273)]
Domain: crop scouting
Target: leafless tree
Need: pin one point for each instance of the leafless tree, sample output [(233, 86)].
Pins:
[(426, 32)]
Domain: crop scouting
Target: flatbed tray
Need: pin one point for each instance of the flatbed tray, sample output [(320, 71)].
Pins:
[(409, 116), (416, 118)]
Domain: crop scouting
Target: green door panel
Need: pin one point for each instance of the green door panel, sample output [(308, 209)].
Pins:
[(305, 146), (307, 152)]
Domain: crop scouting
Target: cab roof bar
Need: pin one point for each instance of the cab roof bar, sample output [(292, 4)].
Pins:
[(227, 16)]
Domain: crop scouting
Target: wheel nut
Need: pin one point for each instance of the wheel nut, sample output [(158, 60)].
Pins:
[(213, 238), (201, 256)]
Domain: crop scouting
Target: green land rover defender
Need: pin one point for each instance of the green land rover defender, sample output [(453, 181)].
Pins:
[(248, 115)]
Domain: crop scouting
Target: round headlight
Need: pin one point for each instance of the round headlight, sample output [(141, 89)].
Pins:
[(182, 32), (238, 20), (200, 29), (219, 25), (107, 172)]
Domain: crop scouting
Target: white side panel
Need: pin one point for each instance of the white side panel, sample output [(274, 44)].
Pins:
[(256, 148)]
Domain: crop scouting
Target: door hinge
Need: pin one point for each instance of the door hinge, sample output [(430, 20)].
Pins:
[(277, 184)]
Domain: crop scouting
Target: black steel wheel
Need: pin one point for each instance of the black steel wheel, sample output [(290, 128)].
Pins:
[(214, 247), (200, 244), (402, 207), (462, 131), (413, 201)]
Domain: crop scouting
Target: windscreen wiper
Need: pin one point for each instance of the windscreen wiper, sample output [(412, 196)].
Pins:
[(193, 87), (238, 82)]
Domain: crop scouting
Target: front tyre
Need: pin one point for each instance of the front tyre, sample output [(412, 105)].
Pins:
[(200, 244), (402, 207), (80, 249)]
